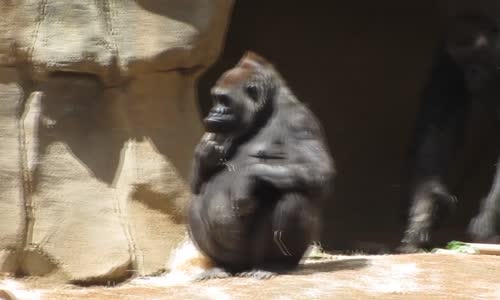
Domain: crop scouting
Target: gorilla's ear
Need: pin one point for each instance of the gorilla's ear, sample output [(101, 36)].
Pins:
[(251, 60)]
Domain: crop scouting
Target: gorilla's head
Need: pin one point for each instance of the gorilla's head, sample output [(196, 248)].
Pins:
[(242, 95), (474, 44)]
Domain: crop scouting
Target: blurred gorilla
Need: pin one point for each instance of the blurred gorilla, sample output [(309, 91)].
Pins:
[(260, 174), (465, 68)]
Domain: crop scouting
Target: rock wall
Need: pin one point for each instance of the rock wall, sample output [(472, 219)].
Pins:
[(98, 119)]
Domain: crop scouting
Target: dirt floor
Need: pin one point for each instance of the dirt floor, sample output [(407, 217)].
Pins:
[(416, 276)]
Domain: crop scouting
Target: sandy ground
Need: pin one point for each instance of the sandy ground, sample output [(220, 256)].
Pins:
[(416, 276)]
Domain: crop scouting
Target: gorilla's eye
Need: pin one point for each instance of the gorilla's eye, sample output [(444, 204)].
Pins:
[(252, 91)]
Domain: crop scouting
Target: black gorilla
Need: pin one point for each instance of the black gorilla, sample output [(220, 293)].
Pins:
[(260, 174), (466, 67)]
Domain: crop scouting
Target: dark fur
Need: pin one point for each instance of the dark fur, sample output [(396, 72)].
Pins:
[(260, 174), (465, 69)]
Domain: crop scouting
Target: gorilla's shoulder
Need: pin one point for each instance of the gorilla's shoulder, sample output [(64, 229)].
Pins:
[(301, 121)]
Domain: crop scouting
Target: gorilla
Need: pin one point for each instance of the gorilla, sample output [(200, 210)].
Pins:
[(465, 68), (260, 173)]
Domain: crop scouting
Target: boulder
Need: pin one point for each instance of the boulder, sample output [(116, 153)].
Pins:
[(98, 122)]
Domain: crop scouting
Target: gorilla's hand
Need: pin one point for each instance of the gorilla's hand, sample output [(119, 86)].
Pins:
[(207, 157), (209, 153), (243, 193)]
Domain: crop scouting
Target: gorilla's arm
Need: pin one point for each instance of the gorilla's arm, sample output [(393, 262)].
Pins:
[(309, 167), (439, 131), (206, 161), (483, 226), (441, 121)]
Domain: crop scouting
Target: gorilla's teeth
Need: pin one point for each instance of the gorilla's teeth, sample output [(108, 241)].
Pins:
[(220, 111)]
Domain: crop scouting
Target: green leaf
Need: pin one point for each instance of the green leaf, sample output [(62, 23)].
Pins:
[(460, 247)]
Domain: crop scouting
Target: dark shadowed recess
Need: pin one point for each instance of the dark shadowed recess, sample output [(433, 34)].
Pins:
[(359, 65)]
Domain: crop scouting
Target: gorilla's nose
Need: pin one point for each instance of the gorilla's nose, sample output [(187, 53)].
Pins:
[(221, 96)]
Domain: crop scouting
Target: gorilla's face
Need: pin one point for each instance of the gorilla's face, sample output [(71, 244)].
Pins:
[(474, 43), (239, 96)]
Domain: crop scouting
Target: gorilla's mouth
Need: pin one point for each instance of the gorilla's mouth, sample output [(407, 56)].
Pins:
[(220, 119), (477, 76), (221, 115), (263, 155), (221, 111)]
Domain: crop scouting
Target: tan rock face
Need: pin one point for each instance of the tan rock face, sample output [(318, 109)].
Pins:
[(97, 126)]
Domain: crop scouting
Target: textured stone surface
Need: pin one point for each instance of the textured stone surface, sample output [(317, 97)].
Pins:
[(417, 276), (98, 122), (12, 217)]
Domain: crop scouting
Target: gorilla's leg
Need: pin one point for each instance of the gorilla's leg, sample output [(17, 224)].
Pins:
[(282, 242), (440, 128), (295, 223), (483, 226)]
